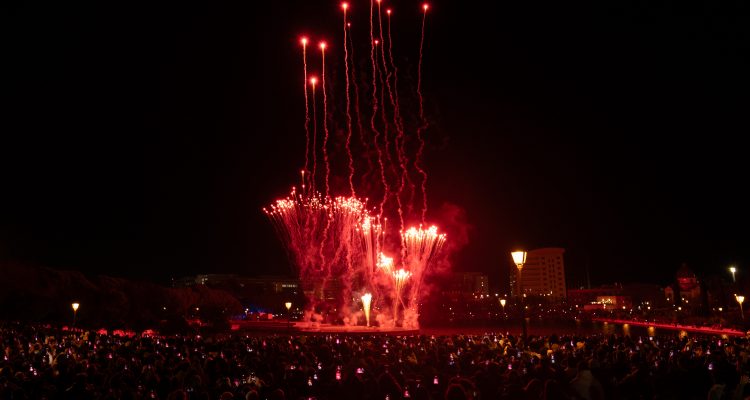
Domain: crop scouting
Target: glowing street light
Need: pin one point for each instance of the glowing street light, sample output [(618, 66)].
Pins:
[(75, 311), (740, 299), (733, 270), (288, 306), (519, 258)]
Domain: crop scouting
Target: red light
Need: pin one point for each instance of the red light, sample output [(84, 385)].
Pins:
[(425, 6), (313, 80), (322, 45), (344, 6), (388, 11), (303, 40), (377, 42)]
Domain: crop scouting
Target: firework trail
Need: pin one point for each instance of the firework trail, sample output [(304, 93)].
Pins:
[(303, 40), (345, 6), (402, 172), (384, 76), (387, 143), (420, 130), (376, 133), (325, 115), (400, 278), (420, 248), (357, 113), (401, 140), (313, 82), (419, 67)]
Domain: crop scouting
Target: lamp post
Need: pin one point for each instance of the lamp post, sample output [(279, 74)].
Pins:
[(519, 258), (740, 299), (75, 312), (733, 270), (502, 303), (288, 305)]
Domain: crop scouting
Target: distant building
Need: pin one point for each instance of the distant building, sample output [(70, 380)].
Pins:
[(542, 275), (466, 284), (271, 284), (688, 288), (263, 292), (583, 297)]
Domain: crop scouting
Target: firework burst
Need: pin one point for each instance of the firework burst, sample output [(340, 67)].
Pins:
[(339, 242)]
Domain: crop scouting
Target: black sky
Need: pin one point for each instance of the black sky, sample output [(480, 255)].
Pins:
[(142, 141)]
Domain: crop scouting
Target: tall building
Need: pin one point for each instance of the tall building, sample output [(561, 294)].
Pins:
[(542, 275)]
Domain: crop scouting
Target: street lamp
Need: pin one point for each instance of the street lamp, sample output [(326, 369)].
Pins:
[(740, 299), (519, 258), (288, 305), (733, 270), (75, 311), (502, 303)]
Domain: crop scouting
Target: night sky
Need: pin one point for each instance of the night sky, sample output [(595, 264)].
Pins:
[(143, 141)]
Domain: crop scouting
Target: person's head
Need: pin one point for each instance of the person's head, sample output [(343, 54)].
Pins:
[(252, 395), (455, 392), (469, 387), (177, 395), (278, 394), (553, 391), (534, 389)]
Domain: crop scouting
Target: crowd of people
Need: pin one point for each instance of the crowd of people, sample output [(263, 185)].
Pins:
[(47, 363)]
